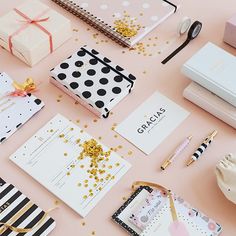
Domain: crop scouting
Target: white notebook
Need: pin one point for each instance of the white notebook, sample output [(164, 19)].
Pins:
[(142, 16), (52, 157)]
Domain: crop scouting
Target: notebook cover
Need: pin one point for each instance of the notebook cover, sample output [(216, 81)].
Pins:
[(143, 14), (214, 69), (12, 201), (14, 111), (74, 178), (93, 80), (211, 103)]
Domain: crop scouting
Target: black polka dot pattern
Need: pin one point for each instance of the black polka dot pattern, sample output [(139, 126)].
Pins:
[(61, 76), (94, 79), (101, 92), (64, 65), (76, 74), (74, 85), (86, 94)]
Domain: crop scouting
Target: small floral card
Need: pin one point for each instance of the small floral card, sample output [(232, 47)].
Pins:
[(190, 222)]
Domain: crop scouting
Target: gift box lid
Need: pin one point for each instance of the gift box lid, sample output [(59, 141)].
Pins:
[(94, 78)]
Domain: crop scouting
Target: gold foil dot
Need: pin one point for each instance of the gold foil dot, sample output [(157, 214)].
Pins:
[(81, 131), (99, 137), (79, 184), (61, 136), (86, 185), (119, 146), (78, 140), (85, 126), (68, 173), (95, 185), (86, 181), (77, 121), (65, 154), (72, 166), (85, 197), (117, 164), (130, 153), (65, 141), (95, 120), (58, 100), (91, 194), (93, 233), (110, 167), (81, 166), (51, 130), (71, 129), (124, 198), (83, 223), (115, 136), (100, 188)]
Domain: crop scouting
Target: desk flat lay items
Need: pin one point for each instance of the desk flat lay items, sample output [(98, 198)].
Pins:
[(77, 169), (20, 216), (93, 80), (122, 20), (151, 121), (156, 211), (15, 111), (32, 31)]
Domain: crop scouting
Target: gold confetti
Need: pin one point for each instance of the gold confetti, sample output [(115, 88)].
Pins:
[(79, 184), (83, 223), (119, 146), (124, 198), (51, 130), (93, 233), (85, 126), (58, 100), (85, 197), (95, 120), (99, 137), (78, 140), (68, 173), (77, 121), (130, 153), (81, 131), (61, 136), (115, 136), (71, 129), (65, 154)]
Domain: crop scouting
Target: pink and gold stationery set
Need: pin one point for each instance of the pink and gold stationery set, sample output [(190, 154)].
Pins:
[(79, 167)]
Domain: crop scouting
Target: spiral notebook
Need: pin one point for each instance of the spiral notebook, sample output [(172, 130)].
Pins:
[(126, 22)]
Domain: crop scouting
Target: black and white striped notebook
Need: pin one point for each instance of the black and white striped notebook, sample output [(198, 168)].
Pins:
[(18, 211)]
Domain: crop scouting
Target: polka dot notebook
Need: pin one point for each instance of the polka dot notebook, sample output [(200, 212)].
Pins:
[(93, 80), (125, 21), (14, 111)]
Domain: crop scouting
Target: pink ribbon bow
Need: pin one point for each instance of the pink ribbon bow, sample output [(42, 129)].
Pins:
[(28, 22)]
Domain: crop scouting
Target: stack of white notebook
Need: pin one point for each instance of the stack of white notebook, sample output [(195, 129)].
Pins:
[(214, 85)]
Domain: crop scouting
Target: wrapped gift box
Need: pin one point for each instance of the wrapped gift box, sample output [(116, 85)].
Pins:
[(32, 30), (93, 80), (230, 31)]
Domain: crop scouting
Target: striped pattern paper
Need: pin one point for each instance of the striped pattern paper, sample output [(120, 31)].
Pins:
[(17, 210)]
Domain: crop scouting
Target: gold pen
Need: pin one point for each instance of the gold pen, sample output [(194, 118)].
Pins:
[(178, 150), (207, 141)]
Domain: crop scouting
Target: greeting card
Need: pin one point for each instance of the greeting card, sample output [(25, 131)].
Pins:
[(20, 216), (14, 110), (152, 122), (71, 164)]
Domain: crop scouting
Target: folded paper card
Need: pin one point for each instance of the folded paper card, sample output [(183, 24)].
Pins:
[(134, 216), (211, 103), (20, 216), (32, 30), (93, 80), (152, 122), (214, 69), (76, 168), (14, 110)]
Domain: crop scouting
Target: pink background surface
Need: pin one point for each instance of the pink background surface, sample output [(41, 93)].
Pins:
[(197, 184)]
